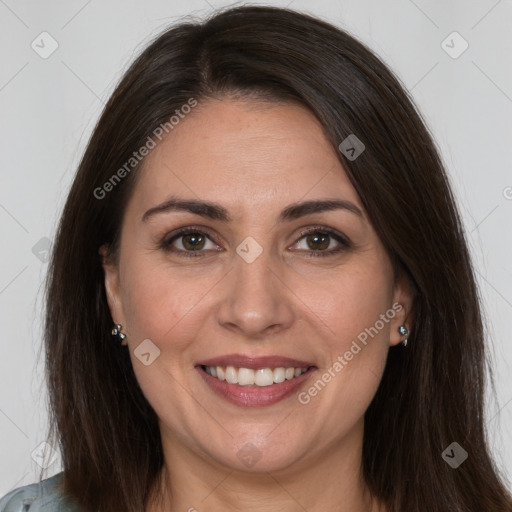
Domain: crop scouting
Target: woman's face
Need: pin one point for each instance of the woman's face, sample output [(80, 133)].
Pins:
[(260, 282)]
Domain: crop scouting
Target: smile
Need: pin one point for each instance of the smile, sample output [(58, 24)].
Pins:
[(248, 377), (248, 381)]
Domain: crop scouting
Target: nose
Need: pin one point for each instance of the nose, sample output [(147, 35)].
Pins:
[(255, 300)]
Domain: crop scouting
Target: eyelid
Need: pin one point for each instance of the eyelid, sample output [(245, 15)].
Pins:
[(327, 230), (167, 240), (343, 241)]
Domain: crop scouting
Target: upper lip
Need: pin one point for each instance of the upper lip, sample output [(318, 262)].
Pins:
[(254, 363)]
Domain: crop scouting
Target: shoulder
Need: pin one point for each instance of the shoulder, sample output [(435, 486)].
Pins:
[(44, 496)]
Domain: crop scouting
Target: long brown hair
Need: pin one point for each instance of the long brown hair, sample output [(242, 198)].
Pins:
[(431, 393)]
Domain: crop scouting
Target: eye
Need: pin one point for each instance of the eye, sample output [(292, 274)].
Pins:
[(322, 242), (189, 242), (193, 242)]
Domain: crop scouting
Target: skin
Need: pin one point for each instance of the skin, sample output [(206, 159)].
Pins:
[(254, 159)]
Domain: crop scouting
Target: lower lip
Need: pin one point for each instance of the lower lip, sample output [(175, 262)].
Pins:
[(254, 396)]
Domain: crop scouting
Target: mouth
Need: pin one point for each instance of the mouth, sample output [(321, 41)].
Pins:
[(251, 382), (248, 377)]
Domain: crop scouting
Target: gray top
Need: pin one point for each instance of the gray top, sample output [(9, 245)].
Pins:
[(41, 497)]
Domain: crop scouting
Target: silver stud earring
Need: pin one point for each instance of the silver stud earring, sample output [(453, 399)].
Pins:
[(404, 332), (121, 336)]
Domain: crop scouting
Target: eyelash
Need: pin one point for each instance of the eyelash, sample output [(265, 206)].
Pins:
[(166, 243)]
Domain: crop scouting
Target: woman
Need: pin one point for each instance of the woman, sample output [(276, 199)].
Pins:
[(260, 296)]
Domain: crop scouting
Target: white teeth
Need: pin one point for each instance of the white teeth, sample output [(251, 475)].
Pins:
[(245, 377), (249, 377), (290, 373), (231, 375), (264, 377), (279, 375)]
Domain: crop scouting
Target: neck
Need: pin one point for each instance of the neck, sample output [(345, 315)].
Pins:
[(332, 480)]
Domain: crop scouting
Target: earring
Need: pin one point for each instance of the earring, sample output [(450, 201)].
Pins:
[(121, 336), (404, 332)]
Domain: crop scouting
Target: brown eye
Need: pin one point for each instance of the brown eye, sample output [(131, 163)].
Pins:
[(193, 241), (189, 242), (321, 242), (318, 241)]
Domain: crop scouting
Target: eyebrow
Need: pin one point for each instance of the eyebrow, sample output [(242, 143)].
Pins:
[(215, 211)]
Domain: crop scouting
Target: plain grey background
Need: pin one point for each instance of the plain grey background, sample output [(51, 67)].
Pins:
[(49, 103)]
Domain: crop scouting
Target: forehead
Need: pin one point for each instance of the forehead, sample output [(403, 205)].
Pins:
[(245, 155)]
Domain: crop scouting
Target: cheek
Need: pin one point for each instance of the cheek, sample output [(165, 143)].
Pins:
[(359, 311), (356, 340), (348, 304), (162, 306), (157, 301)]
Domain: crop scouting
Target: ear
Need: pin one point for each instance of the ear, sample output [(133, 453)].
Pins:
[(112, 286), (402, 305)]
